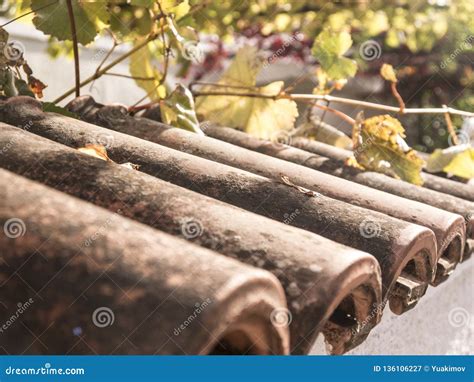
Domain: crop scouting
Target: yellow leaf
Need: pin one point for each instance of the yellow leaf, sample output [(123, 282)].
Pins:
[(462, 165), (181, 10), (388, 73), (379, 146), (456, 160), (178, 110), (97, 151), (147, 76), (130, 166), (262, 117)]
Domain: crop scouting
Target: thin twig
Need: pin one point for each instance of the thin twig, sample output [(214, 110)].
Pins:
[(118, 60), (107, 67), (106, 57), (370, 105), (166, 53), (339, 113), (136, 109), (204, 83), (246, 94), (449, 124), (329, 98), (130, 77), (396, 94), (303, 190), (75, 47)]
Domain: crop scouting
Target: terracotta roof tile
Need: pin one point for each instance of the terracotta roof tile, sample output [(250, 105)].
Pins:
[(216, 197)]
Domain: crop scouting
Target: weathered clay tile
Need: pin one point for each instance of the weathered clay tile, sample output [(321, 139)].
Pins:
[(84, 280), (329, 287)]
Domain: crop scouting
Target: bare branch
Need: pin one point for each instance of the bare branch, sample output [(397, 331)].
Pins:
[(75, 46)]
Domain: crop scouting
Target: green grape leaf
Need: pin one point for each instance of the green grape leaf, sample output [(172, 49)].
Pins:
[(12, 86), (329, 48), (53, 18), (178, 110), (147, 76), (261, 117), (379, 146), (3, 42), (128, 22), (3, 36), (456, 160)]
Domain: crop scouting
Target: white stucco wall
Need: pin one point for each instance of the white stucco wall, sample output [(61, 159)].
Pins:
[(58, 74)]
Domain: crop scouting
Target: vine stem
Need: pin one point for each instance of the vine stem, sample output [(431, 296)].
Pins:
[(396, 94), (346, 101), (371, 105), (449, 124), (75, 47), (106, 68)]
